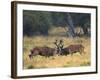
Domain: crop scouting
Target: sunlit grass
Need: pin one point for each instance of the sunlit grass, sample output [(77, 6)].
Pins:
[(55, 61)]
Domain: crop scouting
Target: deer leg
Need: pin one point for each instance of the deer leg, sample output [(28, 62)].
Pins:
[(30, 56), (82, 51), (70, 52)]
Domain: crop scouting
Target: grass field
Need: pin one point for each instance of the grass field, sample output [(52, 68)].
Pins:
[(55, 61)]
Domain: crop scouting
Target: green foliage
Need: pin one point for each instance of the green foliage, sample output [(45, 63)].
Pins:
[(36, 22), (39, 22)]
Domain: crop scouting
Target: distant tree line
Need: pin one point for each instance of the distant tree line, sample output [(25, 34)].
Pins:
[(39, 22)]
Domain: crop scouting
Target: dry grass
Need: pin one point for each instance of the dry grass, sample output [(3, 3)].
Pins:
[(55, 61)]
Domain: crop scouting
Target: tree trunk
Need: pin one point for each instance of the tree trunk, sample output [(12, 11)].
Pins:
[(70, 25)]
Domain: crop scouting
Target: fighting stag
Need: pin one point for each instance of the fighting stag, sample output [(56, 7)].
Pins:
[(71, 49), (43, 51), (59, 50)]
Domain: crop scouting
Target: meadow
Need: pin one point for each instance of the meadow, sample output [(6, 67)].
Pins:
[(38, 61)]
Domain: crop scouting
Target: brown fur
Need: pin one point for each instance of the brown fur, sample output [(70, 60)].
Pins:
[(75, 48), (43, 51)]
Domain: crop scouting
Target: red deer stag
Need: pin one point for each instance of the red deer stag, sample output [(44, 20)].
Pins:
[(71, 49), (43, 51)]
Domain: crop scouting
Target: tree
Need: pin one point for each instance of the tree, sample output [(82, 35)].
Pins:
[(70, 25), (36, 22), (39, 22)]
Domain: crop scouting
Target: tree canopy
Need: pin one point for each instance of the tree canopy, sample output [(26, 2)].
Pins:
[(39, 22)]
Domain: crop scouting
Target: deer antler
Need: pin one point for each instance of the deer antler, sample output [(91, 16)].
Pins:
[(59, 46), (61, 43)]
